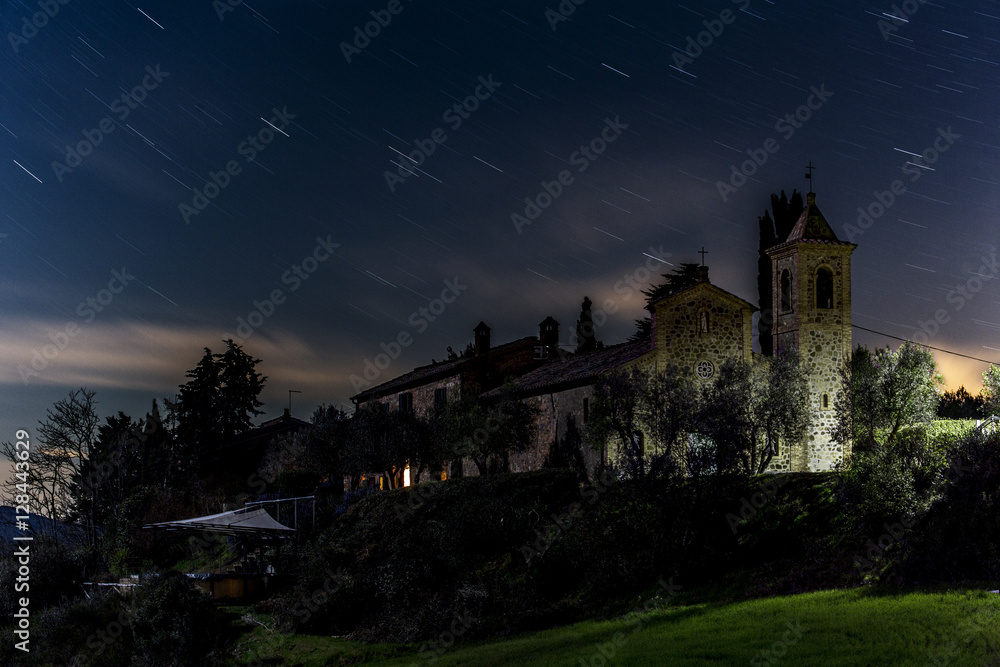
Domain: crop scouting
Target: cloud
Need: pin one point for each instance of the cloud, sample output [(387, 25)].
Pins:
[(137, 356)]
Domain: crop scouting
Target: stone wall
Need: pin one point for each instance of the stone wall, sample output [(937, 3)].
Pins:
[(550, 426), (822, 358), (681, 340), (423, 395), (822, 339)]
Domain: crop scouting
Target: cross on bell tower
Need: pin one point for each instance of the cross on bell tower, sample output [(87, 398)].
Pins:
[(810, 167)]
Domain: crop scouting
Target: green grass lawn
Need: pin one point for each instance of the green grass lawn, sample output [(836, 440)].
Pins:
[(855, 627)]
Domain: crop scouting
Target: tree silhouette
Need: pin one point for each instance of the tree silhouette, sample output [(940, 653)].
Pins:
[(586, 337), (684, 276), (65, 441), (960, 404), (773, 230), (217, 404), (567, 451)]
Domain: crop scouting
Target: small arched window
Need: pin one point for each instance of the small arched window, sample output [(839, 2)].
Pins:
[(826, 401), (824, 288), (786, 291)]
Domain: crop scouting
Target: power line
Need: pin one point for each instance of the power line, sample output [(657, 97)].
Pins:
[(929, 347)]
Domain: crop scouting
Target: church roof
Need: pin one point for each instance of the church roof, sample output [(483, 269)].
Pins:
[(812, 227), (435, 371), (576, 370)]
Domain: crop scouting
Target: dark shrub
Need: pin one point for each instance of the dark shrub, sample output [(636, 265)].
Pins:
[(352, 498), (404, 563), (959, 539), (172, 623), (56, 573), (297, 482), (877, 487), (82, 632)]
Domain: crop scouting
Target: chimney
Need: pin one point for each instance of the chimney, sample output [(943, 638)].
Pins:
[(548, 333), (482, 339)]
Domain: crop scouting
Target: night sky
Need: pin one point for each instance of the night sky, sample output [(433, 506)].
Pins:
[(167, 165)]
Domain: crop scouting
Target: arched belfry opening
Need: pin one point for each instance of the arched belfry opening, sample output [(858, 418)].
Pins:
[(824, 287)]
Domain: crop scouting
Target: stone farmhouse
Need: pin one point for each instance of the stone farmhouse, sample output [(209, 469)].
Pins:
[(698, 327)]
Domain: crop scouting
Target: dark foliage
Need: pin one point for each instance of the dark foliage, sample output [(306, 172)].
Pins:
[(567, 451), (217, 404), (960, 404), (487, 432), (526, 551), (467, 353), (684, 276), (164, 623), (172, 624), (352, 498), (385, 441), (407, 561), (877, 487), (959, 539), (586, 338), (80, 632), (56, 574), (773, 230)]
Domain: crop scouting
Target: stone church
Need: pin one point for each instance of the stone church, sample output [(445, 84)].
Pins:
[(698, 327)]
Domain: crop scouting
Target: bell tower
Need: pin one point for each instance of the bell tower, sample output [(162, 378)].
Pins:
[(811, 293)]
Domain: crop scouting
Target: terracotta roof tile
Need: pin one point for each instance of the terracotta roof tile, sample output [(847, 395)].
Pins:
[(577, 369), (424, 374)]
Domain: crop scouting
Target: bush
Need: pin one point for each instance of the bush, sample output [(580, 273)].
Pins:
[(959, 539), (56, 573), (352, 498), (877, 487), (172, 623), (636, 534), (888, 483), (516, 551), (81, 632), (402, 564), (297, 482), (165, 623)]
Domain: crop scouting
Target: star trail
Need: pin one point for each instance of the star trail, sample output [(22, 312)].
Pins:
[(306, 176)]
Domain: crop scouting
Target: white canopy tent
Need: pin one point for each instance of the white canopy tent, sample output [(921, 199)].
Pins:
[(235, 522)]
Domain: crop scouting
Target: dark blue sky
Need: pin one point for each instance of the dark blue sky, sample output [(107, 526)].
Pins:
[(226, 158)]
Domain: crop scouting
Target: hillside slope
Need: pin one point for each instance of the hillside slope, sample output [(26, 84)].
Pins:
[(526, 551)]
